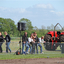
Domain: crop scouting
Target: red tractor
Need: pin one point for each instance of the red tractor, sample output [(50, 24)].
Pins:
[(53, 39)]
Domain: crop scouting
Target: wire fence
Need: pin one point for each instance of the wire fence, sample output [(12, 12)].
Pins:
[(15, 45)]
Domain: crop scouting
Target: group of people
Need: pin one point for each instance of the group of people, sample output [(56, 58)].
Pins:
[(7, 38), (32, 42)]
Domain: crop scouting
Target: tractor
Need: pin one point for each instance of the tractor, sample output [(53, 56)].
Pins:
[(53, 39)]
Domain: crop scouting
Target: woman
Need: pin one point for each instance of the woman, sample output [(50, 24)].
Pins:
[(36, 41), (30, 41), (1, 42)]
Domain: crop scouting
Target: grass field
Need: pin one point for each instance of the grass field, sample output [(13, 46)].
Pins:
[(14, 45), (11, 56), (47, 54)]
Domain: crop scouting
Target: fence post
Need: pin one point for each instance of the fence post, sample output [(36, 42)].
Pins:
[(62, 47)]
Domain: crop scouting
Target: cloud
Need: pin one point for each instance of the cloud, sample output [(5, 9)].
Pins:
[(40, 14), (60, 13), (52, 11), (44, 6), (31, 0), (2, 8), (19, 10)]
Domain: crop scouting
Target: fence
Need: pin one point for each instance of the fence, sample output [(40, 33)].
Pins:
[(14, 45)]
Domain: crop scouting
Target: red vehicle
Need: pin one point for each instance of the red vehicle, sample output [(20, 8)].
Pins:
[(53, 39)]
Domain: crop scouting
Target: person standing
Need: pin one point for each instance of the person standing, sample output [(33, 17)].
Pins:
[(30, 42), (35, 43), (41, 40), (8, 39), (1, 42), (25, 43), (39, 44)]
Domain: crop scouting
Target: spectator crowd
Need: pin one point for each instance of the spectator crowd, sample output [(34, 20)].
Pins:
[(33, 42), (29, 45)]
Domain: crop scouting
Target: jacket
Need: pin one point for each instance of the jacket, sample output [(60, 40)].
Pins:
[(24, 38), (1, 38), (7, 38)]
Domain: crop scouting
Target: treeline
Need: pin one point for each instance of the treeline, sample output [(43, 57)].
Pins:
[(9, 26)]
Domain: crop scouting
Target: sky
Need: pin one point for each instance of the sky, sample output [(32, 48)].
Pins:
[(39, 12)]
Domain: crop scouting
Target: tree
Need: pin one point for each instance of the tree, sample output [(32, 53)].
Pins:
[(43, 27), (4, 26), (28, 23), (48, 28), (13, 28), (35, 28), (52, 27), (8, 25), (29, 26)]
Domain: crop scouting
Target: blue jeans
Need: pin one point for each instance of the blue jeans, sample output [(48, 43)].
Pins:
[(7, 47), (40, 47), (33, 48), (27, 47), (30, 48)]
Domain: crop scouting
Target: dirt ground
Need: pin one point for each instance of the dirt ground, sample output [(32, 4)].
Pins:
[(34, 61)]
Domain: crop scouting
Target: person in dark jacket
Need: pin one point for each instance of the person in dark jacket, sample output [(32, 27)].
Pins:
[(1, 42), (36, 39), (7, 38), (25, 43)]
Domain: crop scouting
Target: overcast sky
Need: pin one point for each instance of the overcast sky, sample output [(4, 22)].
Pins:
[(39, 12)]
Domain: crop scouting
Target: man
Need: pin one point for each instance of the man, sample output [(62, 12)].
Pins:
[(25, 43), (7, 38), (1, 42)]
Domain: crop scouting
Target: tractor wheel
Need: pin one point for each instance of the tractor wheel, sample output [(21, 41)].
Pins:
[(47, 38), (62, 38), (48, 44)]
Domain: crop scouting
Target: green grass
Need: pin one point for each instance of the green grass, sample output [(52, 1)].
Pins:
[(14, 45), (9, 56)]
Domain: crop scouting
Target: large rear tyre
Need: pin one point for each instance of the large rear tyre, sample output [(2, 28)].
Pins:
[(48, 46), (48, 43), (47, 38), (62, 38)]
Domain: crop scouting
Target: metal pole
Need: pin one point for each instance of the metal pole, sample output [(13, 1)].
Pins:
[(20, 42)]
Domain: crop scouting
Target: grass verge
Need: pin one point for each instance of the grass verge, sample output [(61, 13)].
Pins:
[(47, 54)]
